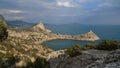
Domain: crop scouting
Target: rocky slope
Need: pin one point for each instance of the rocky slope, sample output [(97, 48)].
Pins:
[(25, 44), (20, 44), (88, 59), (39, 27)]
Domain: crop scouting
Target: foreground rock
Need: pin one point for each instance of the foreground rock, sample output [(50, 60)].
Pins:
[(88, 59)]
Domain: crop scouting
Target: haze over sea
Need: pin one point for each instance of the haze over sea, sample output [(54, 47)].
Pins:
[(105, 32)]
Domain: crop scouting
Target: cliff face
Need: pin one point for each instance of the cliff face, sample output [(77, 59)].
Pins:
[(39, 27), (91, 36), (1, 17)]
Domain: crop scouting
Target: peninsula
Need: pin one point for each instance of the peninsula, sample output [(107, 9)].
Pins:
[(38, 34)]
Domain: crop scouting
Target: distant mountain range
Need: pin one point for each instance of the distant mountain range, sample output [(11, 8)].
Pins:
[(1, 17), (18, 24)]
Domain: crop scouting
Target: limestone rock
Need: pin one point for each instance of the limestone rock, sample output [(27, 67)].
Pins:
[(88, 59), (39, 27)]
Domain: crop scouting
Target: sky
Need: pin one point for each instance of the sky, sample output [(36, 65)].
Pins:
[(62, 11)]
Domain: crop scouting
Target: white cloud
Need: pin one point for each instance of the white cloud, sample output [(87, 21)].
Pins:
[(14, 11), (85, 1), (64, 3), (106, 4)]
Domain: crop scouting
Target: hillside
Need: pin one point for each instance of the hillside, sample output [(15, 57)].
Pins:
[(39, 27), (24, 48)]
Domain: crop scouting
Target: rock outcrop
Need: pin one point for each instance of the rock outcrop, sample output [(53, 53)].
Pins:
[(39, 27), (88, 59), (89, 36)]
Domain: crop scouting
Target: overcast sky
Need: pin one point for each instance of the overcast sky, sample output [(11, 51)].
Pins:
[(62, 11)]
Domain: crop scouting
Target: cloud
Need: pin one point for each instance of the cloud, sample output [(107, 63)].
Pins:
[(64, 3), (106, 4), (50, 10), (8, 17), (15, 11)]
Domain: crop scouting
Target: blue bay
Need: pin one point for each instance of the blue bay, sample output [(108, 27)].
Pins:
[(105, 32)]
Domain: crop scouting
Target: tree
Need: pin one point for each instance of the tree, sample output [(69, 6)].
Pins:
[(3, 31)]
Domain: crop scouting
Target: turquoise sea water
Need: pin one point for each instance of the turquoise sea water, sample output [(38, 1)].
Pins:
[(103, 31)]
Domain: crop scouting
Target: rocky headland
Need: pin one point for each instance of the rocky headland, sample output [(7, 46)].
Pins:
[(39, 34), (25, 45)]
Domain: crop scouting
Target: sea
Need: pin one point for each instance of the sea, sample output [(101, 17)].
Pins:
[(105, 32)]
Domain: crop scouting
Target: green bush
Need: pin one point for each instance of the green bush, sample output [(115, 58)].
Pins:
[(3, 31), (75, 50), (108, 45), (8, 62), (39, 63), (90, 46)]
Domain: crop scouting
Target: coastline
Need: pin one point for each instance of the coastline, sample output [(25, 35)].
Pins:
[(40, 37)]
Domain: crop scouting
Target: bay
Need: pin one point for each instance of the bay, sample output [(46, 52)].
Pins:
[(105, 32)]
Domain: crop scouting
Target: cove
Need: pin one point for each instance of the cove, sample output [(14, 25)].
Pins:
[(59, 44)]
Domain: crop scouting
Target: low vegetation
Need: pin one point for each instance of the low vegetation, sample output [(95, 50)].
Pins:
[(3, 31), (90, 46), (39, 63), (108, 45), (75, 50), (12, 60)]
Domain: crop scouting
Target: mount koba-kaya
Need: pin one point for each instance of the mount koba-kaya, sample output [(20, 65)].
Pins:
[(41, 34)]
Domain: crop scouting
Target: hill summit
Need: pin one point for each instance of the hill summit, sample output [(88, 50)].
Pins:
[(39, 27)]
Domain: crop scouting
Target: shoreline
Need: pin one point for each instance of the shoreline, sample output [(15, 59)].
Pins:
[(40, 37), (89, 36)]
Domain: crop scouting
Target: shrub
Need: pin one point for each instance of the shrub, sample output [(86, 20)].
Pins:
[(108, 45), (75, 50), (9, 62), (90, 46), (41, 63), (3, 31)]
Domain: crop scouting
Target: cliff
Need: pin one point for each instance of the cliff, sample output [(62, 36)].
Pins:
[(39, 27), (89, 36)]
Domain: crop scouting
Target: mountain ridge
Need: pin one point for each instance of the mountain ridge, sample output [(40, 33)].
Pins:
[(39, 27)]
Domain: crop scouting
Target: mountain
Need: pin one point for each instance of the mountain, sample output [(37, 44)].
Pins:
[(18, 24), (39, 27), (2, 18)]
